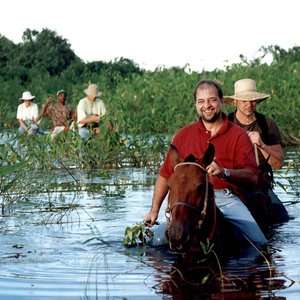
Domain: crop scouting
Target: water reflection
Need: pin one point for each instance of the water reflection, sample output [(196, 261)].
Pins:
[(245, 275)]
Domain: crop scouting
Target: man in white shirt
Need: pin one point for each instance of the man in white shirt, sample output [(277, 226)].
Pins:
[(89, 111), (27, 115)]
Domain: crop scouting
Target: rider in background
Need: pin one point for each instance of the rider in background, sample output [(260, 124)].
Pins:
[(233, 168), (89, 111), (28, 115), (264, 135), (62, 114)]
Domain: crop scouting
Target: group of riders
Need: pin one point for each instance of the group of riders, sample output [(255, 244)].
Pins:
[(64, 117), (247, 147)]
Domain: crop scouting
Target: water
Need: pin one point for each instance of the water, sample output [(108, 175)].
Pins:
[(77, 253)]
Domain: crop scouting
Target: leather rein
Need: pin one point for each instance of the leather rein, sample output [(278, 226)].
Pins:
[(182, 203)]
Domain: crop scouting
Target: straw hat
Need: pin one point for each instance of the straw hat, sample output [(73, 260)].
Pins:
[(245, 90), (27, 96), (92, 90)]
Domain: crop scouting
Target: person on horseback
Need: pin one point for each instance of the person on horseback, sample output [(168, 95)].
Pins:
[(234, 165), (265, 137)]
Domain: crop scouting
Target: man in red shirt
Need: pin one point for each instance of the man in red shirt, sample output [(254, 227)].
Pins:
[(233, 167)]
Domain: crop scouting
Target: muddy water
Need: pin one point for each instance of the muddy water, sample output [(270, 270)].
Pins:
[(77, 253)]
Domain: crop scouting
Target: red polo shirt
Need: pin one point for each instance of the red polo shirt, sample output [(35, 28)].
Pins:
[(232, 145)]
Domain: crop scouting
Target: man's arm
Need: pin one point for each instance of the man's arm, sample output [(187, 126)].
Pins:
[(160, 191), (90, 119), (22, 124), (237, 176), (276, 154), (274, 151), (44, 107)]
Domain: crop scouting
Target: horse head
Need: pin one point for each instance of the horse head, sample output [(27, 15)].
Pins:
[(191, 206)]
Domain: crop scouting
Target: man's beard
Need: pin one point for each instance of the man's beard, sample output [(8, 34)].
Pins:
[(215, 117)]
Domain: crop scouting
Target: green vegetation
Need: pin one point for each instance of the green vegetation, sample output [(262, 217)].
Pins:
[(144, 108), (140, 101), (137, 234)]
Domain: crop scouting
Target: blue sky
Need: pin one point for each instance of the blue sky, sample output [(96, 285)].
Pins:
[(160, 33)]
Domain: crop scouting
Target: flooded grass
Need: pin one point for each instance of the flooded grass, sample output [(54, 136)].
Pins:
[(62, 232)]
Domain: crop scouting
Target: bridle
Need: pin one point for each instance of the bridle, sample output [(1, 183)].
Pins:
[(193, 207)]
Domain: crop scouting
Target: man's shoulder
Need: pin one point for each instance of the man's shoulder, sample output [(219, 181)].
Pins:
[(98, 100), (269, 119), (260, 116), (82, 101), (265, 122), (188, 127)]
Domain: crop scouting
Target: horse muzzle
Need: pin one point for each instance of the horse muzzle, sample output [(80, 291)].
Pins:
[(178, 237)]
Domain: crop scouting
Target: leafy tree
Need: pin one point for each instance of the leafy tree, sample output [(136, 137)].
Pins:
[(141, 101), (7, 49), (45, 50)]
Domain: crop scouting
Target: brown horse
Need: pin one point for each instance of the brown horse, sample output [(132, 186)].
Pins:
[(192, 214), (191, 209)]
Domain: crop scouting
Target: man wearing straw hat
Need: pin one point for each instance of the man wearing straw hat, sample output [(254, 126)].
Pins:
[(264, 135), (89, 111), (233, 167)]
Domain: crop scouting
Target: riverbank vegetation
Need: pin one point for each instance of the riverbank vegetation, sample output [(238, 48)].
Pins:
[(141, 101), (145, 108)]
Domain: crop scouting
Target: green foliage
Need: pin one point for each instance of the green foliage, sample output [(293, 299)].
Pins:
[(10, 175), (11, 168), (207, 247), (142, 102), (17, 179), (292, 176), (136, 234), (108, 149), (45, 51)]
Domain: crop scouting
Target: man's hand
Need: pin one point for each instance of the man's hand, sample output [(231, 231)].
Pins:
[(95, 118), (255, 138), (49, 100), (150, 218), (215, 170)]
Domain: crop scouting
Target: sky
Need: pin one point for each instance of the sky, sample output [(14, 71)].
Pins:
[(203, 34)]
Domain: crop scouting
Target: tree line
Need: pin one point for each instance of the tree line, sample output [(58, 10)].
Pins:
[(138, 100)]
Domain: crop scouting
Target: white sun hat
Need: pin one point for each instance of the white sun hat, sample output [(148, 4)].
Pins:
[(27, 96)]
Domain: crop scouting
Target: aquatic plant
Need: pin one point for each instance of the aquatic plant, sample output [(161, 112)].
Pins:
[(136, 235)]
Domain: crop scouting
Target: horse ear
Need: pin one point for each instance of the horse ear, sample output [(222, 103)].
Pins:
[(174, 155), (209, 155)]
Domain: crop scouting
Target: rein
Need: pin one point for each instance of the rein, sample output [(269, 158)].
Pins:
[(182, 203)]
